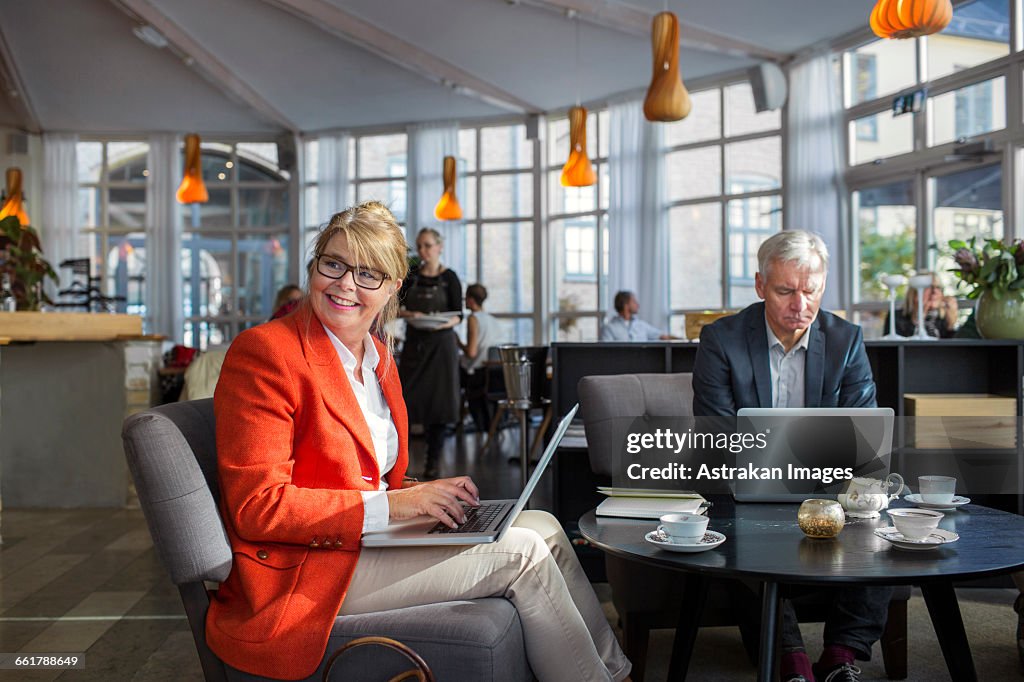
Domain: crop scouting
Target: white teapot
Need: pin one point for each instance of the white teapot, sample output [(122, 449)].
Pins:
[(865, 497)]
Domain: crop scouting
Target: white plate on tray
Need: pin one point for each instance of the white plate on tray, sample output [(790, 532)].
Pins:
[(937, 538), (710, 540)]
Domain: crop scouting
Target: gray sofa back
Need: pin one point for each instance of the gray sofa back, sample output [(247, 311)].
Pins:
[(172, 455), (605, 398)]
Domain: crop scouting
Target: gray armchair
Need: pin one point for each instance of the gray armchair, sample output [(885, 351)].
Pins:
[(171, 453), (647, 597)]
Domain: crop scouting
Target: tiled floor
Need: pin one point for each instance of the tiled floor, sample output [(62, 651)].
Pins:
[(89, 581)]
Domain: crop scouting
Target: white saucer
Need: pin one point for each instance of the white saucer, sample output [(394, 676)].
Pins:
[(957, 501), (710, 541), (937, 537)]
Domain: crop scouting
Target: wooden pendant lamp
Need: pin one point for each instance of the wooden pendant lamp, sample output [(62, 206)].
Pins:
[(448, 206), (578, 171), (192, 189), (14, 204), (667, 98), (900, 19)]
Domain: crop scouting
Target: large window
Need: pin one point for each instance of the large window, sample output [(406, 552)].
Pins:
[(235, 247), (913, 186), (112, 211), (723, 185), (496, 181)]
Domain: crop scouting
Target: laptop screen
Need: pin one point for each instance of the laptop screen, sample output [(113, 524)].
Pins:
[(817, 449), (545, 459)]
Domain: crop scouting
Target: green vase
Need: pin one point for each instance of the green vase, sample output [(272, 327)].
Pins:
[(1000, 318)]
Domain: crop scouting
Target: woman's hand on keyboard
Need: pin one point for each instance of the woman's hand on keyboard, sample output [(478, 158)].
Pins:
[(441, 499)]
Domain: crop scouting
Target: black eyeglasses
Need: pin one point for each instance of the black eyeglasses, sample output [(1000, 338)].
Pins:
[(335, 268)]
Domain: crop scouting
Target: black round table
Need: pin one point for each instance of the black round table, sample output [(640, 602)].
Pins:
[(765, 544)]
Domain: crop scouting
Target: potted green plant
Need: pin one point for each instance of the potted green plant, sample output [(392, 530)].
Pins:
[(21, 258), (992, 272)]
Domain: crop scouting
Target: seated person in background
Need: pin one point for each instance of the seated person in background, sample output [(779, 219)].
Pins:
[(940, 313), (287, 300), (626, 326), (202, 375), (783, 352), (312, 450), (483, 330)]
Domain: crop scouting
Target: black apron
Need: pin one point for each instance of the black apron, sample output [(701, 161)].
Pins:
[(429, 364)]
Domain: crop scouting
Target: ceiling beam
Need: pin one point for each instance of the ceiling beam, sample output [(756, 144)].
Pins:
[(376, 40), (633, 20), (14, 88), (205, 62)]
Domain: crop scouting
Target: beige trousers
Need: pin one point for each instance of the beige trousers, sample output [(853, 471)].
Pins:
[(534, 566)]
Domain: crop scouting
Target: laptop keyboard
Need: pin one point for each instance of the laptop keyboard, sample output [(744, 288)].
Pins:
[(477, 519)]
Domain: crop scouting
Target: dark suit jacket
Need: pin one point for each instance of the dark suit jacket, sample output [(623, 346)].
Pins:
[(732, 369)]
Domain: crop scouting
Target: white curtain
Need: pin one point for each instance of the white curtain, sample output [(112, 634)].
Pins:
[(58, 227), (332, 179), (638, 234), (428, 145), (815, 196), (164, 312)]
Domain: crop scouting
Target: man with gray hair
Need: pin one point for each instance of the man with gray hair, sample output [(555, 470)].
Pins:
[(785, 352)]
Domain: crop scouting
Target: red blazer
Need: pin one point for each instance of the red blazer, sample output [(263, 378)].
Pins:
[(293, 450)]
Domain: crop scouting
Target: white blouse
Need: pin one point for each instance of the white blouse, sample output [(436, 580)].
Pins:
[(377, 414)]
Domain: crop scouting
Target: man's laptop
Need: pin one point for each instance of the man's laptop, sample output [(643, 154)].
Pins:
[(486, 523), (860, 437)]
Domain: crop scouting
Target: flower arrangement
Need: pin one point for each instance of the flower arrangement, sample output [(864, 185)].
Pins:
[(990, 266)]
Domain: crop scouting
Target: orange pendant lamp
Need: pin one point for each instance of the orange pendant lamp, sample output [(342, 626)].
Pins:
[(578, 171), (900, 19), (448, 206), (667, 98), (14, 204), (192, 189)]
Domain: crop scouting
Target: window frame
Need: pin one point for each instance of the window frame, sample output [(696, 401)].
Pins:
[(726, 194), (927, 161)]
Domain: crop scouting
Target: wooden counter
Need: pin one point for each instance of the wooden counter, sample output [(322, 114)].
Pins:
[(35, 326)]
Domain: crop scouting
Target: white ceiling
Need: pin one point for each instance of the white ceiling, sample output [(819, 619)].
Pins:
[(257, 66)]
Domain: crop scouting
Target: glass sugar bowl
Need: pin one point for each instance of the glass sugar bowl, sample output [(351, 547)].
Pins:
[(821, 518)]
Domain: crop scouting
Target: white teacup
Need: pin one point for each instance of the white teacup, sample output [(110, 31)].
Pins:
[(915, 524), (937, 489), (684, 529)]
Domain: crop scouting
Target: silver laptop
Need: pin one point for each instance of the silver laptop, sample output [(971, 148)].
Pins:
[(869, 432), (486, 523)]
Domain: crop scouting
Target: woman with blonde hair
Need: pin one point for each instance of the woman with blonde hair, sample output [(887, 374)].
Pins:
[(312, 450), (940, 312)]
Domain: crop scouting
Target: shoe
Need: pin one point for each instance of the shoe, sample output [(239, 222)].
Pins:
[(1018, 606), (846, 672), (795, 678)]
